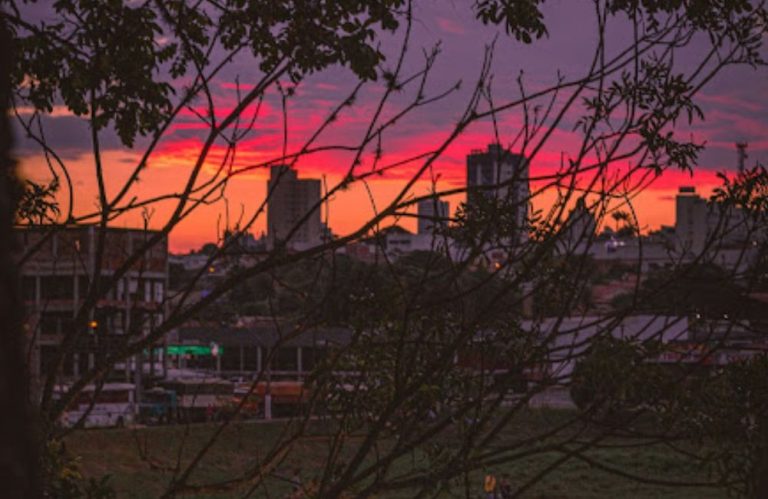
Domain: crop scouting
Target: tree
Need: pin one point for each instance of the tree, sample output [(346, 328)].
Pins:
[(717, 414), (598, 389), (705, 289), (135, 68), (18, 464)]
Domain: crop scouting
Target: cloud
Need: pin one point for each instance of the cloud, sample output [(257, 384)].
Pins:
[(450, 26), (736, 108), (57, 111), (729, 101), (68, 135)]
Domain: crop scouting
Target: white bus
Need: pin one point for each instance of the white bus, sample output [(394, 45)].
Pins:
[(114, 405), (199, 399)]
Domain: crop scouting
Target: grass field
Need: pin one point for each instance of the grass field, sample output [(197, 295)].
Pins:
[(139, 461)]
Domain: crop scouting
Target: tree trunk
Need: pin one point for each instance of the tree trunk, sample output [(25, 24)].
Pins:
[(19, 477)]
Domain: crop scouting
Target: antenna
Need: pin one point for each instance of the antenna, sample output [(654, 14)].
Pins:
[(742, 149)]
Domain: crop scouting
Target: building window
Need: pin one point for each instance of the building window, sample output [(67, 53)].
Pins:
[(82, 287), (54, 323), (57, 287), (68, 369), (230, 360), (83, 362), (105, 292), (311, 357), (286, 359), (47, 356), (120, 290), (29, 288), (251, 358), (133, 287)]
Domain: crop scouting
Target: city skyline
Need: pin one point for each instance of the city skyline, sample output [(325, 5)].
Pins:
[(654, 205), (734, 113), (384, 248)]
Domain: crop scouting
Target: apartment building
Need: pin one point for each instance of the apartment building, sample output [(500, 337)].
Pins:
[(60, 266)]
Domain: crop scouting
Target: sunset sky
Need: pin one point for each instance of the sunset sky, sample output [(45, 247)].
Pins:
[(735, 105)]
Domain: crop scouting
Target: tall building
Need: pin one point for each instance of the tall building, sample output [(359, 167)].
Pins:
[(579, 229), (432, 213), (292, 200), (691, 224), (501, 176), (700, 225), (56, 278)]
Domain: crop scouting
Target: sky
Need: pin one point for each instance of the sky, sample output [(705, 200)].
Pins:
[(735, 104)]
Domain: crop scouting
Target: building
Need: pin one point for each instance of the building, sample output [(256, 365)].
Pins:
[(578, 233), (293, 209), (711, 228), (691, 220), (433, 214), (191, 261), (59, 268), (723, 232), (568, 338), (401, 242), (396, 242), (500, 176), (239, 351)]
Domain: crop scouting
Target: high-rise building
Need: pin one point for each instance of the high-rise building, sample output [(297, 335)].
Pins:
[(500, 175), (59, 273), (433, 213), (691, 214), (293, 208), (579, 229), (710, 227)]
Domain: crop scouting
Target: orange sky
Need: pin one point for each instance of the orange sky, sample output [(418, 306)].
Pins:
[(170, 165), (348, 209), (735, 104)]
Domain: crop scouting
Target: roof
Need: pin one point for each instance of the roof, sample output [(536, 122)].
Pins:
[(106, 387), (263, 335), (79, 228), (195, 381)]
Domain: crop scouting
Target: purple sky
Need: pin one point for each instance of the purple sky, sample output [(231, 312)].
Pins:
[(735, 104)]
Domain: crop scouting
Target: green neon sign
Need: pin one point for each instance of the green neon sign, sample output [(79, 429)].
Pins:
[(199, 350)]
